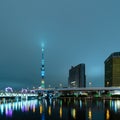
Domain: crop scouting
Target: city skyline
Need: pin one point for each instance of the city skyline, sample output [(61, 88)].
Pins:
[(73, 32)]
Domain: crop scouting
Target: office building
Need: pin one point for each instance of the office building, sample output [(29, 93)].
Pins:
[(112, 70), (77, 76)]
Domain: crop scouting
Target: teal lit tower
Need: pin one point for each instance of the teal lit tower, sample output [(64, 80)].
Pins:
[(42, 68)]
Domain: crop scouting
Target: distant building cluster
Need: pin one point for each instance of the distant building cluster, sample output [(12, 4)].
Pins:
[(77, 76)]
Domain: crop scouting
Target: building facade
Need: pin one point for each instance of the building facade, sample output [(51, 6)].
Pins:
[(77, 77), (112, 70)]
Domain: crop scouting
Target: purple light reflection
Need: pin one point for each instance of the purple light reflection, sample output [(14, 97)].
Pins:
[(23, 108), (9, 112)]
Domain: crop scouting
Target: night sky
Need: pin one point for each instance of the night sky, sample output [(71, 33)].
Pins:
[(73, 31)]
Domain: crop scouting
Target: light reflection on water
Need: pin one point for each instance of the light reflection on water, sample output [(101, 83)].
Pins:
[(89, 114), (24, 106), (115, 106), (66, 109)]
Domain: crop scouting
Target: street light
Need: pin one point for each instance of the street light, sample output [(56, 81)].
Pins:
[(60, 84), (107, 84), (90, 84)]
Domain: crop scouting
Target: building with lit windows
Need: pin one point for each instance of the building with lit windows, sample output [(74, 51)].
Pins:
[(77, 77), (112, 70)]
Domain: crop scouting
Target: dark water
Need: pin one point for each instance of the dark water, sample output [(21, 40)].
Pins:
[(61, 110)]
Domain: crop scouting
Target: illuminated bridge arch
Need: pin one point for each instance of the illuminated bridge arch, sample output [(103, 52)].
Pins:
[(8, 89)]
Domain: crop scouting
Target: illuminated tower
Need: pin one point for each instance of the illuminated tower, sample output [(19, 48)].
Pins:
[(43, 68)]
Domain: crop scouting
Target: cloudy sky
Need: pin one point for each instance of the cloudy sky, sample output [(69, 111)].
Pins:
[(74, 32)]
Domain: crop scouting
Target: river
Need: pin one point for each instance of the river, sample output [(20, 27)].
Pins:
[(56, 109)]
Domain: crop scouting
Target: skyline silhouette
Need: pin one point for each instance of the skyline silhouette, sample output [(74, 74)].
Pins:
[(74, 32)]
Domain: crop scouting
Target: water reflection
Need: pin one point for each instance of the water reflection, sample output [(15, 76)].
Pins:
[(24, 106), (107, 114), (60, 112), (89, 114), (41, 109), (80, 103), (65, 109), (49, 110), (73, 113)]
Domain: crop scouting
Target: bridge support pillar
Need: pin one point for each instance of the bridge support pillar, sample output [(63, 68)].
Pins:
[(24, 97)]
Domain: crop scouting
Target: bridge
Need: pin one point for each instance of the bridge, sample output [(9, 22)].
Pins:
[(91, 92), (26, 95), (89, 89), (15, 95), (76, 89)]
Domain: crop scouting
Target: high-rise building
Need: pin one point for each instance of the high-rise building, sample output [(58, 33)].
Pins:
[(77, 77), (42, 68), (112, 70)]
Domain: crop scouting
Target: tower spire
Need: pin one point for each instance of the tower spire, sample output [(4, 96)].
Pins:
[(42, 68)]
